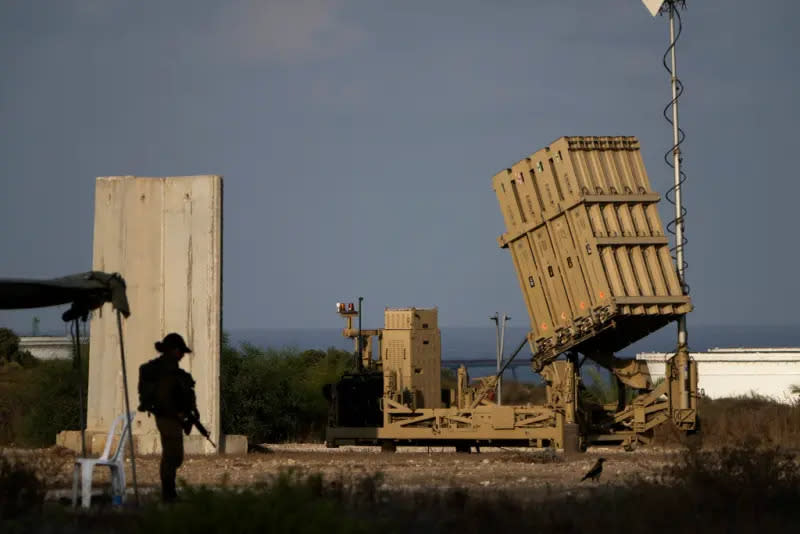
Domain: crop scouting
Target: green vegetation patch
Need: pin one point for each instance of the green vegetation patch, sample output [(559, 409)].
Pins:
[(275, 395), (38, 401)]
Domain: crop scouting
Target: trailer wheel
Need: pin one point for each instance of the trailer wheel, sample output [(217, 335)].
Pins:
[(388, 446)]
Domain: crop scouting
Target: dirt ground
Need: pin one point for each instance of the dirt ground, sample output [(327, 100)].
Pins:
[(522, 472)]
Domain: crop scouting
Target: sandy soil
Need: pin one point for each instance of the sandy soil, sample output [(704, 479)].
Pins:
[(512, 471)]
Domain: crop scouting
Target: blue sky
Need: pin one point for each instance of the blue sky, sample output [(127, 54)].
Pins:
[(357, 140)]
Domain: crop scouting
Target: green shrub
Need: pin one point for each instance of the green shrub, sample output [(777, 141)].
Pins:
[(276, 395), (57, 403), (38, 402), (9, 350)]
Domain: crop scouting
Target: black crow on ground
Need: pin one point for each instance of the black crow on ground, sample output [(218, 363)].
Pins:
[(595, 472)]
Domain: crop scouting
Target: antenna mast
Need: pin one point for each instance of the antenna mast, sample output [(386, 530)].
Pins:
[(681, 360), (676, 163), (670, 7)]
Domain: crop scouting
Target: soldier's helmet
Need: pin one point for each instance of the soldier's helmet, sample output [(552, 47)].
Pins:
[(172, 341)]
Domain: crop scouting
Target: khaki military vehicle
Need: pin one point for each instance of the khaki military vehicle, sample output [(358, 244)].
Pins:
[(595, 271)]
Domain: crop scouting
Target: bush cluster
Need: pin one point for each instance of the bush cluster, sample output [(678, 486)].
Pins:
[(274, 395), (9, 349), (39, 400)]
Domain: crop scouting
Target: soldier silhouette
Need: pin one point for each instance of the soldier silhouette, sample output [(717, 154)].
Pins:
[(167, 391)]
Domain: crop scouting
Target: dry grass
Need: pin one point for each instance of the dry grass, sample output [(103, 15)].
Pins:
[(750, 419), (733, 489), (741, 420)]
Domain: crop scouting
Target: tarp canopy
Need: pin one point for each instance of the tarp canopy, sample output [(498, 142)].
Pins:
[(85, 291)]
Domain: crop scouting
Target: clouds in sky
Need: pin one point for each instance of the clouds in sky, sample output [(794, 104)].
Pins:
[(287, 31), (368, 132)]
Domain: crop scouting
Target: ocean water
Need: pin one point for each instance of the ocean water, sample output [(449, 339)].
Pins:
[(472, 343), (479, 342)]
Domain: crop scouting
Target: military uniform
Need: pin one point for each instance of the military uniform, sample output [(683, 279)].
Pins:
[(167, 391)]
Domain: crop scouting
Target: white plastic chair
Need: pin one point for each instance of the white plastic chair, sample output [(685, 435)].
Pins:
[(84, 467)]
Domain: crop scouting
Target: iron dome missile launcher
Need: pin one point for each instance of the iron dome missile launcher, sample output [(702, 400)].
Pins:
[(595, 271)]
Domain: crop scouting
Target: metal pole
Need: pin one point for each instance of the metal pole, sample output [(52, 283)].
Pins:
[(676, 161), (500, 359), (359, 331), (76, 335), (505, 366), (127, 406), (496, 319), (682, 362)]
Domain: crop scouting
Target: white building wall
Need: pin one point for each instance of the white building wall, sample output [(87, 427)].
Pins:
[(48, 347), (733, 372)]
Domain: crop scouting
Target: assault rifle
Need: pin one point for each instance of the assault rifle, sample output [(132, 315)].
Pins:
[(193, 419)]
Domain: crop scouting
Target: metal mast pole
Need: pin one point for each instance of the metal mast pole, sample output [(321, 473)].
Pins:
[(500, 330), (676, 161), (358, 361), (496, 319), (681, 360), (500, 360)]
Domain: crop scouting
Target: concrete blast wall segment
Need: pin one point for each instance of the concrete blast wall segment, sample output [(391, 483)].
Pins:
[(164, 235)]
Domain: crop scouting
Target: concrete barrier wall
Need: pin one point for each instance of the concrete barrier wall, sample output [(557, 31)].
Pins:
[(164, 235)]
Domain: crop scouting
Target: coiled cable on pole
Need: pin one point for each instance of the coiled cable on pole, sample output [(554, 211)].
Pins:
[(677, 250)]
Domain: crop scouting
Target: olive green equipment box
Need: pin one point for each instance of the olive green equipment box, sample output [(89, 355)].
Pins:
[(596, 274)]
